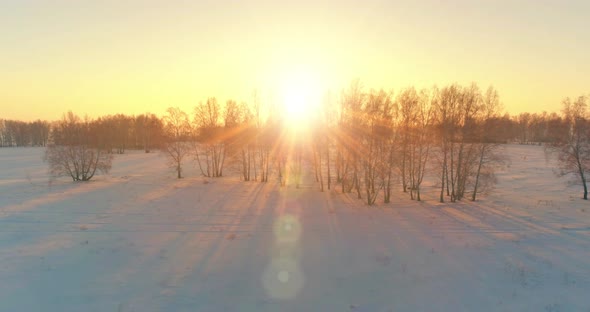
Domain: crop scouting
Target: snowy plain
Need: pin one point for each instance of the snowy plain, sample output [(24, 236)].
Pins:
[(138, 239)]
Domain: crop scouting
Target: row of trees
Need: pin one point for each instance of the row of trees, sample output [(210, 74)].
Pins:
[(380, 138), (20, 133), (216, 134), (367, 142), (78, 147), (121, 132), (115, 133)]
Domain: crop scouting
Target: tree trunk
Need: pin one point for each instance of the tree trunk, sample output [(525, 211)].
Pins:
[(319, 170), (280, 173), (328, 165), (452, 176), (582, 177), (482, 151), (315, 166), (443, 173), (404, 183), (338, 165), (244, 170)]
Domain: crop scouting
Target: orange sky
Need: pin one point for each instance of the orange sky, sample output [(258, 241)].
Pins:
[(136, 56)]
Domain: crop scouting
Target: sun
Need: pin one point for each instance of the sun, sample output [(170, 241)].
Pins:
[(300, 99), (296, 103)]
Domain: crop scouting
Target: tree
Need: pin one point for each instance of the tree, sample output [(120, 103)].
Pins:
[(446, 113), (318, 143), (488, 146), (348, 137), (17, 132), (457, 109), (267, 139), (178, 138), (420, 141), (244, 140), (73, 150), (573, 148), (524, 120), (2, 134), (416, 117), (148, 132), (327, 111), (122, 126), (212, 136), (375, 131)]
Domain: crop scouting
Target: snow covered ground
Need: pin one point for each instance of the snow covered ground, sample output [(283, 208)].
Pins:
[(140, 240)]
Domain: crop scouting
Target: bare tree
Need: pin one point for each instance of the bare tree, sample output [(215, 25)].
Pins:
[(245, 140), (456, 110), (178, 138), (379, 109), (326, 121), (348, 137), (447, 112), (407, 101), (212, 136), (463, 153), (73, 152), (267, 142), (3, 134), (420, 141), (573, 148), (488, 146), (318, 144)]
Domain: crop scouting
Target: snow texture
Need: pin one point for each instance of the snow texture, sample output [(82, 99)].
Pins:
[(138, 239)]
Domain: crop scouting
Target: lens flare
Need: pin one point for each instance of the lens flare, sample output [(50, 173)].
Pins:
[(283, 279), (287, 229)]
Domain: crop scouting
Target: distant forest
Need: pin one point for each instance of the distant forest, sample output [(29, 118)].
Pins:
[(364, 142), (121, 132)]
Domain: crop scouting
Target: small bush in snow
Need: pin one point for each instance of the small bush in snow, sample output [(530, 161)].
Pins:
[(73, 151)]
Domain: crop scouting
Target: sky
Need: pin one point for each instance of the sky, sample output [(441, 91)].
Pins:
[(137, 56)]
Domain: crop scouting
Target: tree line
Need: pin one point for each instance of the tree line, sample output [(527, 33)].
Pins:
[(115, 133), (128, 132), (366, 142), (370, 141), (78, 147), (19, 133)]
